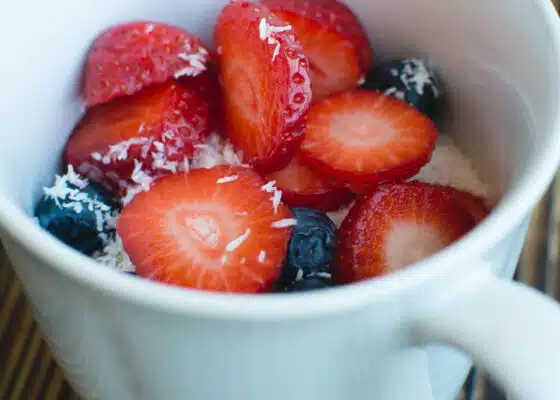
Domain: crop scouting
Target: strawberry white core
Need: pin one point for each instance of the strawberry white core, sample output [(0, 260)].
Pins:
[(204, 232), (204, 229), (409, 242)]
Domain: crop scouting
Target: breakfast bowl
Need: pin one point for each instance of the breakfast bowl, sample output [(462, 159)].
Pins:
[(413, 333)]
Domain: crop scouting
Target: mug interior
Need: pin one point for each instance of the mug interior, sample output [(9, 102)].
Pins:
[(499, 65)]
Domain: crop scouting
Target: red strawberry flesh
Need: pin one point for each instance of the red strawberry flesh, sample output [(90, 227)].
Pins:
[(157, 127), (129, 57), (332, 39), (265, 83), (395, 226), (475, 205), (207, 86), (196, 230), (301, 187), (359, 139)]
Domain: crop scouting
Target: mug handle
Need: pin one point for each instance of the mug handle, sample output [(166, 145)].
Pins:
[(510, 329)]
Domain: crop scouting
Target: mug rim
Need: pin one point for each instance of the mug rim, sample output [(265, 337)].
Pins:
[(515, 205)]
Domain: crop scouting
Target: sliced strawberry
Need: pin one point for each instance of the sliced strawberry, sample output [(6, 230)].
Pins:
[(129, 57), (333, 40), (301, 187), (475, 205), (359, 139), (265, 82), (151, 132), (395, 226), (212, 229), (207, 86)]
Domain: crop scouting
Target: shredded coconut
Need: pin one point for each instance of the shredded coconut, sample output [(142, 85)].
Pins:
[(74, 178), (276, 199), (399, 94), (197, 62), (270, 187), (268, 32), (448, 166), (234, 244), (113, 255), (415, 74), (158, 155), (299, 275), (227, 179), (215, 152), (284, 223), (67, 192)]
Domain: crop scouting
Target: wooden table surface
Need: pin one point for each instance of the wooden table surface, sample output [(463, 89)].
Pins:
[(28, 371)]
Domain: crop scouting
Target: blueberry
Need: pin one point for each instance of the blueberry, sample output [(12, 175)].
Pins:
[(311, 246), (410, 80), (79, 212), (311, 282)]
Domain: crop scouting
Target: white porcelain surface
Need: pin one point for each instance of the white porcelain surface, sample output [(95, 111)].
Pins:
[(118, 337)]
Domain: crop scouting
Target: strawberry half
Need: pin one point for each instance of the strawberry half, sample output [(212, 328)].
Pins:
[(129, 57), (476, 206), (265, 82), (333, 40), (133, 138), (207, 86), (359, 139), (396, 226), (301, 187), (212, 229)]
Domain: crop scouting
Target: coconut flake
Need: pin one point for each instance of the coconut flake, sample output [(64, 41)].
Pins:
[(67, 192), (276, 199), (269, 187), (284, 223), (299, 275), (227, 179), (415, 74), (215, 152), (449, 166), (74, 178), (113, 255), (197, 62), (234, 244), (268, 32)]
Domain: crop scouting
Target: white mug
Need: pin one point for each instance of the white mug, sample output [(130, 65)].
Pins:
[(397, 337)]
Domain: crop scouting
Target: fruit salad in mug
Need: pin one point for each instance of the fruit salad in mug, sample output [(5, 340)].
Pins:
[(282, 157)]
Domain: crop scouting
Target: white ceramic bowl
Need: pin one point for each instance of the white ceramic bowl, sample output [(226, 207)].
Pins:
[(119, 337)]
